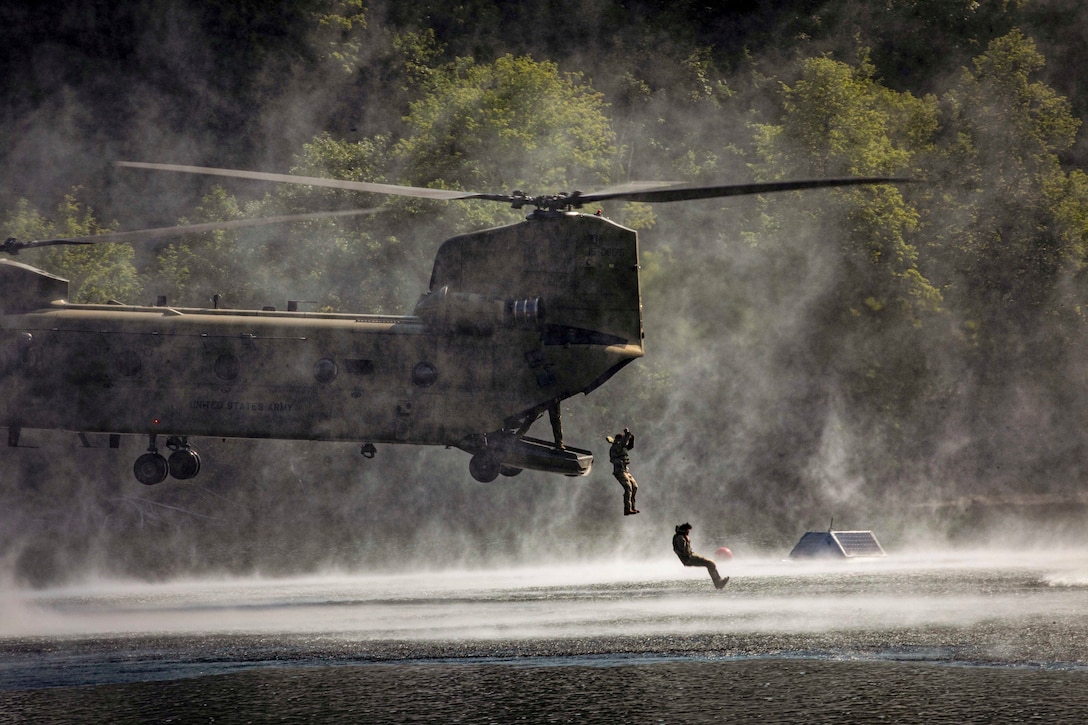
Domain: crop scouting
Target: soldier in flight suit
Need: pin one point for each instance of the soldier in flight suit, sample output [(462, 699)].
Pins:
[(681, 544), (621, 443)]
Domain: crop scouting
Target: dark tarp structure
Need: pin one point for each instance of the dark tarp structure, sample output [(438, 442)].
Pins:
[(837, 544)]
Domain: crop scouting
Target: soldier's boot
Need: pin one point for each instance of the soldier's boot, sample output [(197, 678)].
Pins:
[(634, 491), (719, 582)]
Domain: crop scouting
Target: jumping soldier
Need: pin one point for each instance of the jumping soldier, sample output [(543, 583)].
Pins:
[(621, 443), (681, 544)]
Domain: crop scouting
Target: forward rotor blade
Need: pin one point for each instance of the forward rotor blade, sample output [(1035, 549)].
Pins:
[(650, 192), (393, 189), (166, 232), (690, 193)]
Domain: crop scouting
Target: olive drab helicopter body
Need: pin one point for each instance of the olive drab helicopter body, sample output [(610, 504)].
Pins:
[(516, 320)]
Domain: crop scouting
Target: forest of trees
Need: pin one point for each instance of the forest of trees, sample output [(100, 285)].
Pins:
[(910, 354)]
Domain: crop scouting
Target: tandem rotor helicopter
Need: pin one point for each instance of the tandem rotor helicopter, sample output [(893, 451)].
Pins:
[(516, 320)]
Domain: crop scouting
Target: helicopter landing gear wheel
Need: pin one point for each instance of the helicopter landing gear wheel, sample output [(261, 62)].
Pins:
[(184, 463), (484, 467), (509, 470), (150, 468)]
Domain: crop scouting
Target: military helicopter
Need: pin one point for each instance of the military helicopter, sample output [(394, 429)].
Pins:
[(516, 320)]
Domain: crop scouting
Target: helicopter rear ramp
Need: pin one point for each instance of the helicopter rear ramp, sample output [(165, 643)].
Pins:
[(538, 455), (509, 454)]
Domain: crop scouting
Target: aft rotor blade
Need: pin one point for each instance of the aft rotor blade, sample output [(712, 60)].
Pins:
[(167, 232), (14, 246), (393, 189), (690, 193)]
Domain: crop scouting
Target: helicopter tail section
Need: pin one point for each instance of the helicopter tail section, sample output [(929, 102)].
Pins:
[(24, 288)]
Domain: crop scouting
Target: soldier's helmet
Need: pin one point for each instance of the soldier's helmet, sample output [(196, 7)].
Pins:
[(683, 527)]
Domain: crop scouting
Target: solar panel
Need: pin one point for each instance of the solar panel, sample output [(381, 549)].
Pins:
[(858, 543)]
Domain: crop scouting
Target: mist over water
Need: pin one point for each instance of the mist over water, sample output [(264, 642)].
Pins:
[(463, 643), (607, 598)]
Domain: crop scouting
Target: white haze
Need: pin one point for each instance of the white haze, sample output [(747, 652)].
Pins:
[(605, 598)]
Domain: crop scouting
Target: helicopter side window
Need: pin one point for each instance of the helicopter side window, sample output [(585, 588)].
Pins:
[(226, 367), (325, 370), (424, 374)]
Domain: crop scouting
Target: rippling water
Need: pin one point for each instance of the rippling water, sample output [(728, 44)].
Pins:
[(949, 637)]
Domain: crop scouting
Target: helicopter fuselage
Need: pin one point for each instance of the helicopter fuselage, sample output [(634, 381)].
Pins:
[(517, 319), (262, 374)]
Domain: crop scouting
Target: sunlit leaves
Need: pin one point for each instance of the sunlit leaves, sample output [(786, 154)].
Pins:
[(200, 268), (842, 121), (26, 223), (838, 120), (1014, 234), (338, 32), (514, 123)]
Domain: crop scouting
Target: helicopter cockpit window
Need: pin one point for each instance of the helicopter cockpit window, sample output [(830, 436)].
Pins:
[(325, 370), (424, 374)]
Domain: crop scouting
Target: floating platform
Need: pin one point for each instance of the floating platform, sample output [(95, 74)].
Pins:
[(837, 545)]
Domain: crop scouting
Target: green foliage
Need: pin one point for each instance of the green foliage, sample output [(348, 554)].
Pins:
[(25, 222), (196, 268), (97, 273), (505, 125), (338, 28), (339, 159), (1015, 235), (839, 121), (419, 56), (843, 121)]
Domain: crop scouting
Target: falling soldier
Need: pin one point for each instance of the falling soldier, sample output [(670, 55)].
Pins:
[(621, 443), (681, 544)]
